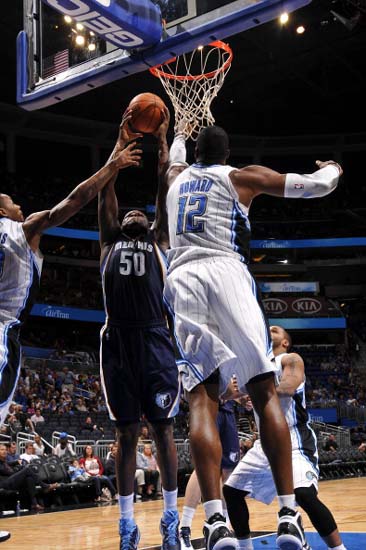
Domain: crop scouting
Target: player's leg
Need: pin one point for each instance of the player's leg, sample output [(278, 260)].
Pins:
[(9, 367), (192, 498), (320, 516), (160, 403), (206, 453), (276, 443), (122, 392)]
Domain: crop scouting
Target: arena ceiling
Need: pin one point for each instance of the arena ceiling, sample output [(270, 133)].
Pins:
[(280, 83)]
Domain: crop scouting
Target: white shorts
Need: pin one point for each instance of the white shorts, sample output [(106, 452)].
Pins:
[(219, 323), (253, 474)]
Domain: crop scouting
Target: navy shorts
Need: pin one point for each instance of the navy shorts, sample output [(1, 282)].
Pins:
[(228, 432), (139, 373)]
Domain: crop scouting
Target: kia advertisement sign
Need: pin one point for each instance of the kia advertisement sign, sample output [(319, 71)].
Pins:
[(306, 306)]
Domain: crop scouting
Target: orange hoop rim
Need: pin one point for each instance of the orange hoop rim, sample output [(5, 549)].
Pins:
[(158, 72)]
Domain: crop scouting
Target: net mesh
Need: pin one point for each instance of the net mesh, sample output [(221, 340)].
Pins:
[(192, 81)]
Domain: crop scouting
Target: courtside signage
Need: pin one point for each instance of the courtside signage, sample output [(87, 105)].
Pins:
[(137, 26)]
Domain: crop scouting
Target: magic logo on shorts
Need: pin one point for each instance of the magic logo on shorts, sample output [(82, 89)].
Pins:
[(163, 400), (310, 475)]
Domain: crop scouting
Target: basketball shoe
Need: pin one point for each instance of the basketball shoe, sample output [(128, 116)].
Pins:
[(129, 533), (169, 529), (290, 532), (185, 538), (217, 535), (4, 535)]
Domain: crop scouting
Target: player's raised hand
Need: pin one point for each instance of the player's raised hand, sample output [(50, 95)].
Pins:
[(129, 156), (323, 164), (126, 134), (164, 126)]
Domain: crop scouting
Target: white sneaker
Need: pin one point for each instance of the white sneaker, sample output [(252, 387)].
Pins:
[(290, 532), (217, 535), (185, 538), (4, 535)]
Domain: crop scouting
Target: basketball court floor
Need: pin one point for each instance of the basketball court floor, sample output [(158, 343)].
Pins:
[(97, 528)]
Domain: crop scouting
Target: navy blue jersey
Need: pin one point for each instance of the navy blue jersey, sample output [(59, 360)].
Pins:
[(133, 280)]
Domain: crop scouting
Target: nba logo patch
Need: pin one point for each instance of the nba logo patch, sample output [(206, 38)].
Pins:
[(163, 400), (299, 186)]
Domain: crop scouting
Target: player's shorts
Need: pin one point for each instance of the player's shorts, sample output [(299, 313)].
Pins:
[(10, 355), (228, 433), (253, 474), (139, 374), (219, 323)]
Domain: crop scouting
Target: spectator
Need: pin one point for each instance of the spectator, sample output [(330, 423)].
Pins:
[(144, 434), (12, 455), (67, 379), (362, 447), (39, 448), (37, 417), (147, 462), (80, 405), (331, 443), (63, 447), (92, 428), (24, 480), (29, 453), (110, 471), (94, 468)]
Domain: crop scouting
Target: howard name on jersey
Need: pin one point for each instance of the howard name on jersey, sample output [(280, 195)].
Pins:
[(206, 217)]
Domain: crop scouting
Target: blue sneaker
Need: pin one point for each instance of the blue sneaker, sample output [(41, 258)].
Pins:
[(129, 533), (169, 529)]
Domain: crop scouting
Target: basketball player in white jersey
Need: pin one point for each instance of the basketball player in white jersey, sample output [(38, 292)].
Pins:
[(253, 476), (21, 263), (219, 322)]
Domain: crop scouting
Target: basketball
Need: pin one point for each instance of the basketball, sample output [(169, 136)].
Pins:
[(147, 112)]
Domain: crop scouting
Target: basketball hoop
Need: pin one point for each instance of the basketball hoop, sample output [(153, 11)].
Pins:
[(192, 81)]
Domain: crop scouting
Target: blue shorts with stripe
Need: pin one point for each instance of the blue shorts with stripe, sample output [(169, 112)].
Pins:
[(10, 354), (139, 373)]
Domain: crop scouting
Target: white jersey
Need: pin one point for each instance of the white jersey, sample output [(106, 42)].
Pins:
[(253, 473), (20, 271), (205, 216)]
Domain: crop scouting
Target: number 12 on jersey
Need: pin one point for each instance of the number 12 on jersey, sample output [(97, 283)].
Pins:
[(191, 207)]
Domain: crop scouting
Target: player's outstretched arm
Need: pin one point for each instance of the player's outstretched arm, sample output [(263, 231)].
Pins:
[(255, 180), (293, 374), (38, 222), (171, 163), (160, 224), (107, 199)]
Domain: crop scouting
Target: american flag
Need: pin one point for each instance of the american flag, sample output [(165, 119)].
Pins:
[(55, 64)]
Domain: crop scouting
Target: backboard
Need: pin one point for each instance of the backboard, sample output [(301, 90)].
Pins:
[(69, 47)]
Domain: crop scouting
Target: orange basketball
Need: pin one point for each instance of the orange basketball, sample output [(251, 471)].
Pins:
[(147, 112)]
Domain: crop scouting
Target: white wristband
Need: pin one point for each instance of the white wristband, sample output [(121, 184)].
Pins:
[(310, 186)]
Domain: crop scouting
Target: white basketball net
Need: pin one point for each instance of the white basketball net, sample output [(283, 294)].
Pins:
[(192, 81)]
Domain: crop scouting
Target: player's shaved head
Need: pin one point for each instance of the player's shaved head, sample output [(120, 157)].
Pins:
[(212, 145), (2, 200)]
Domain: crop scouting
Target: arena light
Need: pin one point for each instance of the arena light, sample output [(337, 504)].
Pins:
[(79, 26), (80, 40), (91, 47), (200, 48), (284, 18), (300, 29), (67, 19)]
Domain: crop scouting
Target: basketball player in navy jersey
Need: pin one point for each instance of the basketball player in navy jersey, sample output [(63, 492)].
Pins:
[(219, 321), (253, 476), (138, 369)]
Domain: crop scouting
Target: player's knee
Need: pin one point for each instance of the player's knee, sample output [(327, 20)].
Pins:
[(127, 435), (305, 496)]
